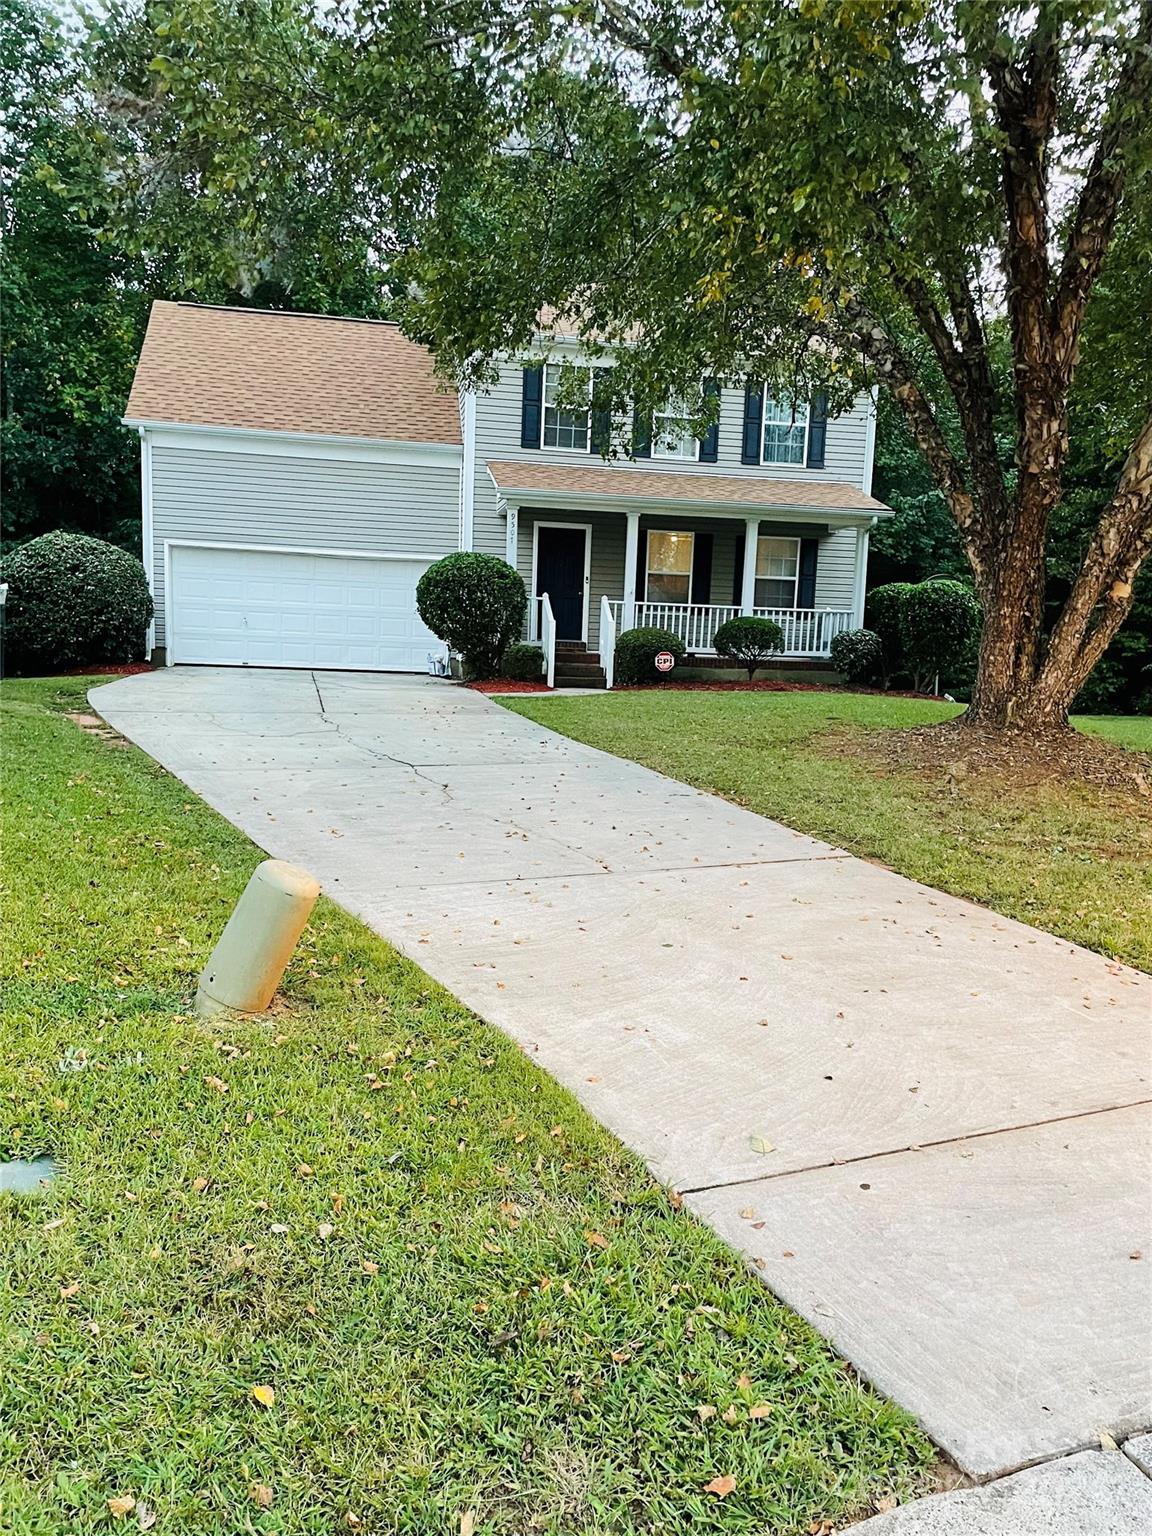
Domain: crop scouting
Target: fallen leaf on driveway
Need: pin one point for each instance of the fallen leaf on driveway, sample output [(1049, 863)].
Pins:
[(760, 1144), (721, 1486)]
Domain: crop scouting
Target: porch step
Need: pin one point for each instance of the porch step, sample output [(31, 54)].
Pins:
[(578, 668)]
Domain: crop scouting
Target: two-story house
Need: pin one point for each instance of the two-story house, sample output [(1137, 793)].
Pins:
[(299, 474)]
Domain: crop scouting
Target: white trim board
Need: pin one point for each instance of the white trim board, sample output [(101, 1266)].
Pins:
[(298, 445), (533, 594), (147, 535)]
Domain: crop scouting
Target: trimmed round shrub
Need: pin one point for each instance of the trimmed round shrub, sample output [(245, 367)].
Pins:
[(941, 622), (74, 601), (476, 604), (637, 650), (523, 663), (884, 616), (858, 654), (749, 642)]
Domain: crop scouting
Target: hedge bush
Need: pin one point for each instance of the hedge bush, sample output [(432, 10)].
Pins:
[(926, 629), (941, 625), (523, 663), (74, 601), (884, 616), (749, 642), (476, 604), (636, 652), (858, 654)]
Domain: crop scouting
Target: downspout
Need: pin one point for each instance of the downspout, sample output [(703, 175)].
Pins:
[(147, 539)]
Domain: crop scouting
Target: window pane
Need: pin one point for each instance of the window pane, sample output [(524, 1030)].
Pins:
[(785, 424), (562, 428), (670, 552), (775, 594), (672, 436), (777, 557), (666, 588)]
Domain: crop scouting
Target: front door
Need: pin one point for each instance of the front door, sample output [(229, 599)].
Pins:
[(560, 562)]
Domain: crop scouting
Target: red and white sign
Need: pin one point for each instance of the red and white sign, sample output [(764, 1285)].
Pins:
[(665, 661)]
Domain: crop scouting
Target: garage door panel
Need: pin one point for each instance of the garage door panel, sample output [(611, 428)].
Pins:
[(265, 608)]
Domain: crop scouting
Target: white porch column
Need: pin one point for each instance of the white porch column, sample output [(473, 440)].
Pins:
[(748, 583), (862, 539), (631, 557)]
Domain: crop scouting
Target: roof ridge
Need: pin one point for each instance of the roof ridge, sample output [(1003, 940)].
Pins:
[(289, 314)]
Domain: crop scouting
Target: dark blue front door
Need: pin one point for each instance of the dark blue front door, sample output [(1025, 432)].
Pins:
[(560, 554)]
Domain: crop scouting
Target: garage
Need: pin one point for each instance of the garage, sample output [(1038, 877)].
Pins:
[(236, 606)]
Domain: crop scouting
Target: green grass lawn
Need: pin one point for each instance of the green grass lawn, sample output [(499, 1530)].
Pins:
[(471, 1304), (1069, 858)]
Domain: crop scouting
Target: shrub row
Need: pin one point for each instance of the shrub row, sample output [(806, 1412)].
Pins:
[(922, 631)]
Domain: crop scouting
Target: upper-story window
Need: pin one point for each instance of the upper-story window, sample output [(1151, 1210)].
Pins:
[(785, 431), (562, 426), (672, 435)]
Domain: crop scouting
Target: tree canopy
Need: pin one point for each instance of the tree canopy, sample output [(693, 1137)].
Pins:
[(828, 194)]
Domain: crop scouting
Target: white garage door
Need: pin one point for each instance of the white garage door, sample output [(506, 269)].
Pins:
[(261, 608)]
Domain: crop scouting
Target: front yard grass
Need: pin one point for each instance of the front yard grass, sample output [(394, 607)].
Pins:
[(1071, 858), (471, 1306)]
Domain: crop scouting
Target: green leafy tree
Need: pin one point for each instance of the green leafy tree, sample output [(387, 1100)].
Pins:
[(73, 305), (789, 192)]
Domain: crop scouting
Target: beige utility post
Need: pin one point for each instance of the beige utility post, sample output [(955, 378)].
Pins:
[(258, 939)]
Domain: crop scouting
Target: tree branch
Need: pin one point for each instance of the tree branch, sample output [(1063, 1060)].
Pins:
[(1102, 595), (1099, 203)]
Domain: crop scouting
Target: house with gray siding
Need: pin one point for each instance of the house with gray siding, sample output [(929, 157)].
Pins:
[(300, 473)]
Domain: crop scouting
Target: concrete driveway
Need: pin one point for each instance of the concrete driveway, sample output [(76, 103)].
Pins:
[(926, 1126)]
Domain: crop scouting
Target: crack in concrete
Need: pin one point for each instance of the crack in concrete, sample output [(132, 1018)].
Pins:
[(915, 1146), (376, 752)]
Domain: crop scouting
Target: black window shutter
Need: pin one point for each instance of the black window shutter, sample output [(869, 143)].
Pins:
[(641, 434), (531, 405), (710, 442), (600, 420), (641, 565), (817, 432), (752, 442), (738, 571), (806, 587), (702, 568)]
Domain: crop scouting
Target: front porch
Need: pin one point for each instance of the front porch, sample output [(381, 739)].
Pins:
[(597, 564)]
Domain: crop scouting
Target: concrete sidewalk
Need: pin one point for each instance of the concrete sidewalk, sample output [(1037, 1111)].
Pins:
[(926, 1126)]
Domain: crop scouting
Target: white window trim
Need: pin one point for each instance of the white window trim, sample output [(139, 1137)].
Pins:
[(802, 462), (780, 538), (544, 408), (534, 598), (681, 533)]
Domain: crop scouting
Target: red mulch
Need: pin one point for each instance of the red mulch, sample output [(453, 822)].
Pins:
[(107, 669), (503, 685), (766, 685)]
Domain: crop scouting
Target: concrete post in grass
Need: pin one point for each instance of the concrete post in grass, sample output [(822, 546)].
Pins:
[(258, 939)]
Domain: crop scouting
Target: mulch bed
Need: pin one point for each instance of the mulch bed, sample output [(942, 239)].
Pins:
[(970, 754), (502, 685), (108, 669)]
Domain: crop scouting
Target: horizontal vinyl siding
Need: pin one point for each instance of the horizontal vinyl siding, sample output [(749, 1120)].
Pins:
[(498, 439), (836, 570), (249, 498)]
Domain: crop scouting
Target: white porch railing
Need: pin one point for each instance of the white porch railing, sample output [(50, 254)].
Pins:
[(808, 632), (547, 632), (607, 641)]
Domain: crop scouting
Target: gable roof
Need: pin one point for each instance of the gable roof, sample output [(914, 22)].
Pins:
[(621, 483), (275, 371)]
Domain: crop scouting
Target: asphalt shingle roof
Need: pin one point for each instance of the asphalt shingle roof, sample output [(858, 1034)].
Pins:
[(274, 371)]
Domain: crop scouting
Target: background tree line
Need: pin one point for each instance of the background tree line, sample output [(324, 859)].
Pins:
[(78, 280)]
